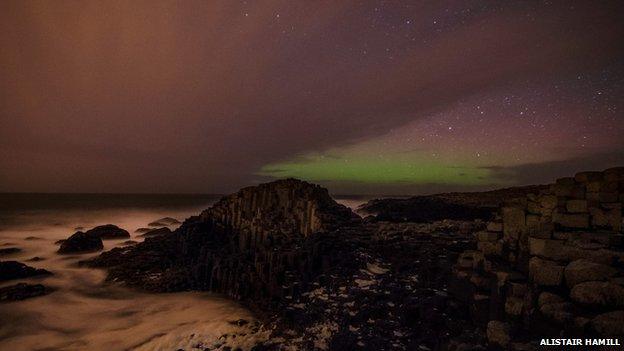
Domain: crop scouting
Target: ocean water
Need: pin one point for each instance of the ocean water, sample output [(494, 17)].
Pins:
[(83, 313)]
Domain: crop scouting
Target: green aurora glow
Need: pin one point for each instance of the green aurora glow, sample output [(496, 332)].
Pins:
[(397, 169)]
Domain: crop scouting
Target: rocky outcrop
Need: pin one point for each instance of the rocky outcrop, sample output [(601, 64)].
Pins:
[(157, 232), (454, 206), (81, 243), (551, 263), (315, 273), (259, 242), (10, 270), (91, 240), (108, 231), (163, 222), (285, 208), (21, 291), (422, 209), (542, 266)]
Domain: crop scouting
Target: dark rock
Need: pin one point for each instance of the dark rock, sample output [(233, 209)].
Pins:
[(498, 333), (59, 242), (108, 231), (21, 291), (35, 259), (598, 293), (81, 243), (15, 270), (583, 270), (30, 238), (254, 235), (313, 271), (458, 206), (9, 251), (129, 242), (157, 232), (163, 222), (609, 324), (239, 322), (143, 230), (422, 209)]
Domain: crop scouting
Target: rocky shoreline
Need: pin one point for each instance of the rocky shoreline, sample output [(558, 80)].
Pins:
[(496, 272), (322, 278), (317, 275)]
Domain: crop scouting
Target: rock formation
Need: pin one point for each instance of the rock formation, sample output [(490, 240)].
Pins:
[(454, 206), (21, 291), (108, 231), (163, 222), (315, 273), (10, 270), (548, 263), (551, 263), (91, 240), (80, 243), (157, 232), (256, 243)]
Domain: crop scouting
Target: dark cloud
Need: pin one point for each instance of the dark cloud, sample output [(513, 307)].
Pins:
[(547, 172), (197, 96)]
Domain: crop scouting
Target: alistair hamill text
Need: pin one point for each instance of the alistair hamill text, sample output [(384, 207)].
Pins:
[(579, 342)]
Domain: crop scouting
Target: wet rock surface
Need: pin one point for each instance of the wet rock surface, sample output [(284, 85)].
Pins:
[(81, 243), (21, 291), (10, 270), (454, 206), (316, 274), (157, 232), (108, 231), (320, 277), (163, 222)]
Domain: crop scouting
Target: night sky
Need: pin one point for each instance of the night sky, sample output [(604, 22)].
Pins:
[(369, 97)]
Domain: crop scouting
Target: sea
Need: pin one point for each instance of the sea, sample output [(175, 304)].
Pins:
[(83, 312)]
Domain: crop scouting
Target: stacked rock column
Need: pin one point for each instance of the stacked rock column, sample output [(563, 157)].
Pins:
[(553, 259)]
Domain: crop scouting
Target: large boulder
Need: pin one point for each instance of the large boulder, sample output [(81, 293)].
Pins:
[(15, 270), (81, 243), (108, 231), (583, 270), (598, 294), (609, 324)]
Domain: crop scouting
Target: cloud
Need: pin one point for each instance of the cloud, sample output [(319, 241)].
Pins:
[(547, 172), (198, 96)]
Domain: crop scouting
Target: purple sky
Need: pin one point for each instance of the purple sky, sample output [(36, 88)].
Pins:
[(209, 96)]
